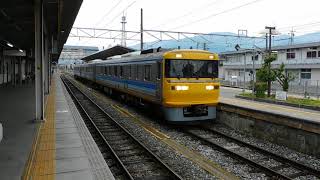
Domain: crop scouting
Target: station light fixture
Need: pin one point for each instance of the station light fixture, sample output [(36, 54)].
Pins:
[(21, 50)]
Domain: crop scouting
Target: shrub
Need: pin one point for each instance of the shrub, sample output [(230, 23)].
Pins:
[(260, 89)]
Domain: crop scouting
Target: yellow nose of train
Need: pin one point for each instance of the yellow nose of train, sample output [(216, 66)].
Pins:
[(187, 92), (190, 85)]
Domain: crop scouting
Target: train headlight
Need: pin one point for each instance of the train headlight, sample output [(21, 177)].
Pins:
[(181, 88), (210, 87)]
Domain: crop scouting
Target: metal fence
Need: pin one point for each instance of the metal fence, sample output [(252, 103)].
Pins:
[(306, 88)]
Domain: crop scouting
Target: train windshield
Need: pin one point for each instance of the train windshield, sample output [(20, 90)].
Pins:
[(191, 68)]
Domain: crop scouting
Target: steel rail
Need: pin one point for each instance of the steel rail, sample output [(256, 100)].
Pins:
[(237, 156), (173, 174), (127, 174), (306, 169)]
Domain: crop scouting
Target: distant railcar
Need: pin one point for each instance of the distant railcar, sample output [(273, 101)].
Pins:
[(183, 83)]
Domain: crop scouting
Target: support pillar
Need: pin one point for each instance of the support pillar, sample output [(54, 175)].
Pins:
[(46, 66), (38, 50)]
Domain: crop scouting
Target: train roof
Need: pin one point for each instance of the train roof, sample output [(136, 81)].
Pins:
[(134, 57)]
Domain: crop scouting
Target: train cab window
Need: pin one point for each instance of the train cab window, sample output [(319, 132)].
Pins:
[(158, 70), (147, 72)]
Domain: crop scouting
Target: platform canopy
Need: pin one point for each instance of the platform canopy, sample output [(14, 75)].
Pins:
[(104, 54), (17, 22)]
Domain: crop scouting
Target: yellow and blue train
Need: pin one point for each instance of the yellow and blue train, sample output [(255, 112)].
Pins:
[(183, 83)]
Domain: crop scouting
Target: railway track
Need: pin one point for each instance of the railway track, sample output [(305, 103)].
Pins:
[(125, 155), (241, 151)]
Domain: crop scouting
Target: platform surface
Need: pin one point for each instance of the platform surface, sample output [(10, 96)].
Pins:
[(16, 116), (65, 148), (227, 97)]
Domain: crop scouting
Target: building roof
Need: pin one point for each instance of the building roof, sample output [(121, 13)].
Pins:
[(275, 48), (93, 48), (104, 54), (294, 46), (17, 22)]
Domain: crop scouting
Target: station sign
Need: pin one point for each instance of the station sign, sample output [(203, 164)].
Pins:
[(281, 95)]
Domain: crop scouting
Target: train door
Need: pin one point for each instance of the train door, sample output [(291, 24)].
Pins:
[(127, 75), (159, 79), (94, 72)]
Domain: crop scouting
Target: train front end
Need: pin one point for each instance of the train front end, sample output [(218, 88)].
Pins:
[(190, 86)]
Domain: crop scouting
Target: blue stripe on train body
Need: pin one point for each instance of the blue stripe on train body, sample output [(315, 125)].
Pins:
[(147, 87)]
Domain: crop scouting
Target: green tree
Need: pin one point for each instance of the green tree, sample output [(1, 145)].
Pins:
[(265, 74), (283, 78)]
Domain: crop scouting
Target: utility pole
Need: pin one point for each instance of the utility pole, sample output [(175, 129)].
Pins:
[(141, 31), (253, 69), (123, 34), (244, 74), (204, 46), (269, 63), (292, 37)]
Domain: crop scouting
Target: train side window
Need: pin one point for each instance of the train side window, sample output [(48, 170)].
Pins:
[(121, 71), (158, 70), (115, 70), (137, 71), (129, 71), (147, 72)]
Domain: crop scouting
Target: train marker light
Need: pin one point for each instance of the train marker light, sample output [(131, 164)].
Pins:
[(181, 88), (210, 87), (9, 44), (178, 55)]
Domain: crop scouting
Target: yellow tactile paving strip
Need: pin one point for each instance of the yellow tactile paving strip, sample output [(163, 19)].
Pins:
[(42, 164)]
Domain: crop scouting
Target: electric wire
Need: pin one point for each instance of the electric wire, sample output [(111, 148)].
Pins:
[(216, 14), (111, 21), (186, 14), (109, 12)]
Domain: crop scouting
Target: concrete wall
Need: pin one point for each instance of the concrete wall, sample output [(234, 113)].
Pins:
[(292, 133), (315, 75), (11, 67)]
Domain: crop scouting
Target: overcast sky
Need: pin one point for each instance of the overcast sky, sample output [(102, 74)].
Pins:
[(198, 16)]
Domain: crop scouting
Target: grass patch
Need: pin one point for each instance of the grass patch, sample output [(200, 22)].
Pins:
[(292, 100), (307, 102)]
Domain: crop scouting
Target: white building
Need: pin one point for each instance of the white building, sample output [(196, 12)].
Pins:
[(303, 60), (73, 54)]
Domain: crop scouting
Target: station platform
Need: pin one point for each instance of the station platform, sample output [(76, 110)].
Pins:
[(62, 146), (307, 115), (17, 118)]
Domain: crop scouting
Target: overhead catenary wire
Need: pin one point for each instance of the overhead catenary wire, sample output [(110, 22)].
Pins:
[(121, 13), (186, 14), (216, 14), (108, 13), (301, 25)]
